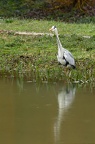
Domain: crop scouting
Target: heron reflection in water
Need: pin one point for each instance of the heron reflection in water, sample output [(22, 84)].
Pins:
[(65, 99)]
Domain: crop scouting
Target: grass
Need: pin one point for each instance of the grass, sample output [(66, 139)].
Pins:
[(34, 57), (43, 26)]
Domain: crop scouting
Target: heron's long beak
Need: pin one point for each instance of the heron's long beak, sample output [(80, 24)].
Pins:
[(50, 29)]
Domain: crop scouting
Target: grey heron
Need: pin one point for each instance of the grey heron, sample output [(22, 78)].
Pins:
[(64, 56)]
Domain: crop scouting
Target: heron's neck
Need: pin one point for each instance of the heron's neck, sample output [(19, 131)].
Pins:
[(58, 40)]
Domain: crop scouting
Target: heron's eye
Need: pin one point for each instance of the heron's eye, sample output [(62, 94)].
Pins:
[(54, 27)]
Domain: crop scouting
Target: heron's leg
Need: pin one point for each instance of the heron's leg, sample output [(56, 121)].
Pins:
[(68, 72)]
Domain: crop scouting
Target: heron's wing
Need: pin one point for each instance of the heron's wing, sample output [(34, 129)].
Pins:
[(69, 57)]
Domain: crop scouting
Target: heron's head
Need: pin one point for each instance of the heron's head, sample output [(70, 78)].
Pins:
[(53, 28)]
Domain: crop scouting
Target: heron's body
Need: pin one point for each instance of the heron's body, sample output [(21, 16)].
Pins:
[(64, 56)]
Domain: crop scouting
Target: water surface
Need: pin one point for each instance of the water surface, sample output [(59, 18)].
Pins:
[(33, 113)]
